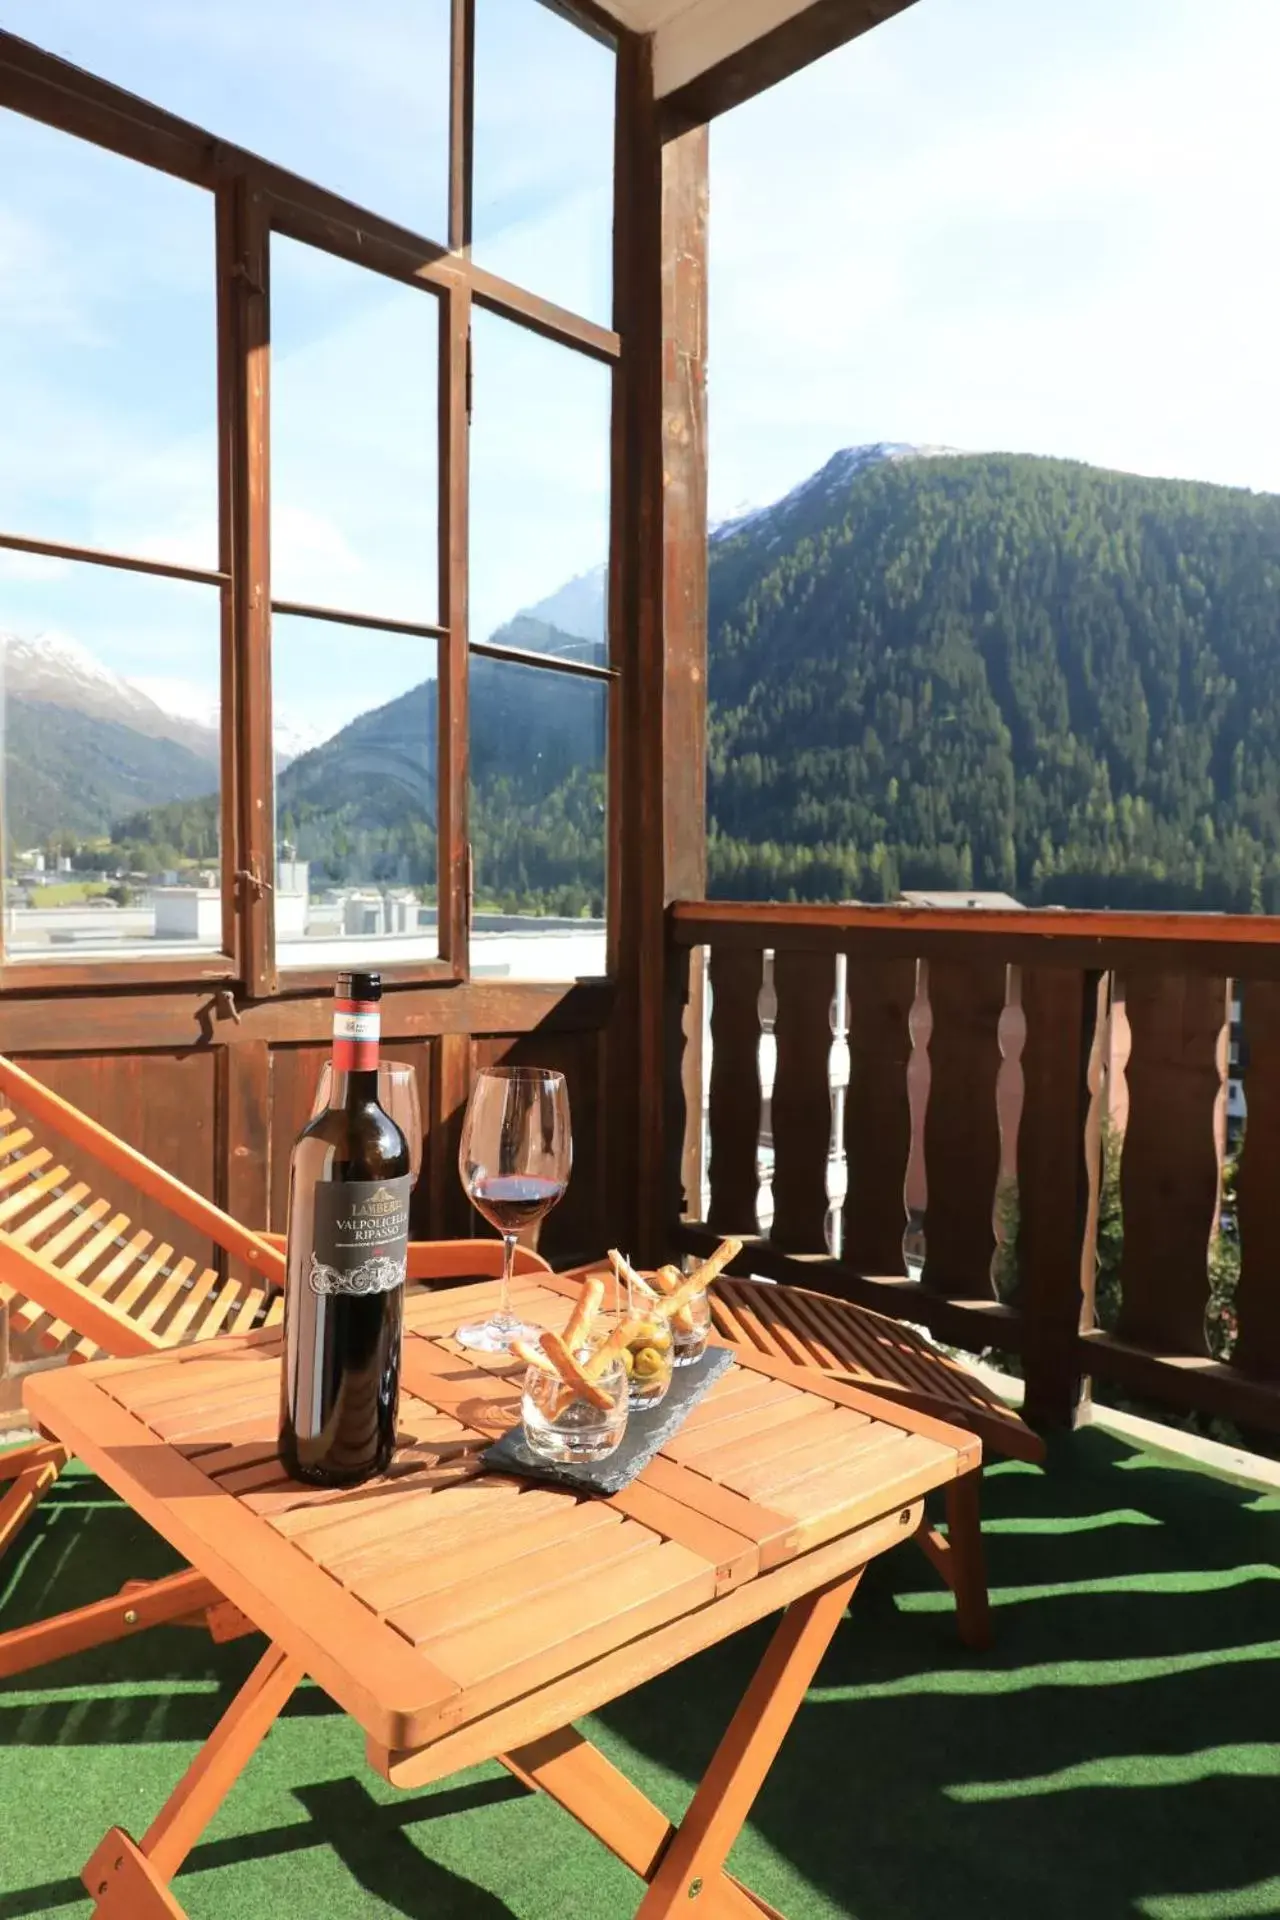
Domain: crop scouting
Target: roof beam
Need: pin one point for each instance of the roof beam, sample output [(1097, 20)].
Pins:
[(797, 41)]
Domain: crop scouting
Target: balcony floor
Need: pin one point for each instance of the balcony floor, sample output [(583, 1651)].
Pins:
[(1116, 1754)]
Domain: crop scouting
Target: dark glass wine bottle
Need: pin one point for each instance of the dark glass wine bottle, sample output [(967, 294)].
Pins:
[(348, 1228)]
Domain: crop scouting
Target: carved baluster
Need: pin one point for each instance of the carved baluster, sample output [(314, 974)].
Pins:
[(1058, 1143), (1170, 1168), (877, 1111), (801, 1106), (915, 1188), (961, 1134), (733, 1095), (1257, 1305), (1011, 1036), (767, 1055)]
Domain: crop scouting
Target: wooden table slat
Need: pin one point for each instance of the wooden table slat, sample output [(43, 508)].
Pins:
[(442, 1595)]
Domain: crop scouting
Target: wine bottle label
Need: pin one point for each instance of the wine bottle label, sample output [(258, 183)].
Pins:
[(360, 1233), (356, 1030)]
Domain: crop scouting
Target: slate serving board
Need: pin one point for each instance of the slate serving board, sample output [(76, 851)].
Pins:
[(645, 1434)]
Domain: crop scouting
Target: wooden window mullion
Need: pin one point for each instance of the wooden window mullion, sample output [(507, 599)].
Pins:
[(247, 671), (453, 862)]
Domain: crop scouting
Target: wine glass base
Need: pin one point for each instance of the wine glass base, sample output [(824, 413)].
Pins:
[(494, 1335)]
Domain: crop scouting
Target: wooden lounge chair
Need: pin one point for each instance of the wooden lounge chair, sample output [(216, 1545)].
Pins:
[(80, 1280), (814, 1330)]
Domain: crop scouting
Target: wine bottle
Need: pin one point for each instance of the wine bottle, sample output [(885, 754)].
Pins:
[(348, 1229)]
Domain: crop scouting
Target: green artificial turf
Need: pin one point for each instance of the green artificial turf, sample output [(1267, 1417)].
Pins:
[(1115, 1754)]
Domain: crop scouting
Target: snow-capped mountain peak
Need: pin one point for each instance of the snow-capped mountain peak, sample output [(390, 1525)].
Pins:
[(836, 473)]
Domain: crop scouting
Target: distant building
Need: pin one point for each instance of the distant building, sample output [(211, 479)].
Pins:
[(945, 902), (189, 913)]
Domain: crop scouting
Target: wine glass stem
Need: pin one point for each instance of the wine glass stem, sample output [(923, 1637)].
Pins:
[(508, 1263)]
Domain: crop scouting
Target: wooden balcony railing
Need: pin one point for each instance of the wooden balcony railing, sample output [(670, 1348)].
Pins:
[(908, 1107)]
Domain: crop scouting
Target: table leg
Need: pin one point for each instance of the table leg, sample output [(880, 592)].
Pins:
[(32, 1471), (686, 1863), (152, 1603), (128, 1879), (958, 1557)]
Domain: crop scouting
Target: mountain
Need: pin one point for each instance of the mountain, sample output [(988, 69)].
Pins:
[(68, 774), (362, 806), (927, 668), (995, 670), (577, 608), (82, 745)]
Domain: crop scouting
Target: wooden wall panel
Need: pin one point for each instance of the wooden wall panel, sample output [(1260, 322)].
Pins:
[(163, 1104)]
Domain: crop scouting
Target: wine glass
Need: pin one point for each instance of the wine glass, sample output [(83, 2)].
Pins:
[(514, 1163), (397, 1095)]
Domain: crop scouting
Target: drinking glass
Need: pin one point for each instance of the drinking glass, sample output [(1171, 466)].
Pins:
[(514, 1163), (649, 1356), (560, 1425), (691, 1339), (397, 1095)]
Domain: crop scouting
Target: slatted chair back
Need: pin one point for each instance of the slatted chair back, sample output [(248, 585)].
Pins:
[(870, 1350), (78, 1275)]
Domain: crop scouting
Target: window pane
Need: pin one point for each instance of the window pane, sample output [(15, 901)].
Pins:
[(108, 390), (111, 762), (543, 186), (539, 493), (356, 98), (353, 437), (537, 822), (355, 716)]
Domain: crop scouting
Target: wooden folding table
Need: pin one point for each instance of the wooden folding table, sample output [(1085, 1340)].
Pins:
[(460, 1615)]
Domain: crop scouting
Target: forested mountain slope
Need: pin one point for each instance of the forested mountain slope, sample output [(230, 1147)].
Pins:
[(998, 671)]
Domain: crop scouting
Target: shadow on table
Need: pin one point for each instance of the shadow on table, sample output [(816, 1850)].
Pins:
[(1111, 1755)]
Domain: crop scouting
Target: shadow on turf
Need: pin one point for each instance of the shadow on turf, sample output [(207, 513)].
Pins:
[(866, 1797), (368, 1838)]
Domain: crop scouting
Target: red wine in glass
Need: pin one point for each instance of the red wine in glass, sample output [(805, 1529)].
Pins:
[(513, 1201), (514, 1163)]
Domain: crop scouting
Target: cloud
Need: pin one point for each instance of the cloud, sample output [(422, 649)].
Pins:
[(1005, 226)]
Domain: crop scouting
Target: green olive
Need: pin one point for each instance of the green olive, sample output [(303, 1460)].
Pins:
[(648, 1362)]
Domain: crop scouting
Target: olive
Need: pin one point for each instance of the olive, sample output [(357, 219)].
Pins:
[(648, 1362)]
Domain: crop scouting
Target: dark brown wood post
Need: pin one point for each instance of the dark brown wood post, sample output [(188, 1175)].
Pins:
[(658, 621)]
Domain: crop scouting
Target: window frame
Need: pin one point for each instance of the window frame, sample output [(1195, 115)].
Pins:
[(253, 199)]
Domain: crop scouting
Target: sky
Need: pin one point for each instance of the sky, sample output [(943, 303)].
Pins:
[(988, 224)]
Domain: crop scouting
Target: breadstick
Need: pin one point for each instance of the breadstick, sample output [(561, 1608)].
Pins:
[(727, 1250), (628, 1275), (572, 1374), (532, 1356), (604, 1356), (671, 1307), (669, 1279), (586, 1307)]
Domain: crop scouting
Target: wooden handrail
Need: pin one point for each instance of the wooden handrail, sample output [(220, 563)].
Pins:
[(1241, 944), (107, 1148)]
